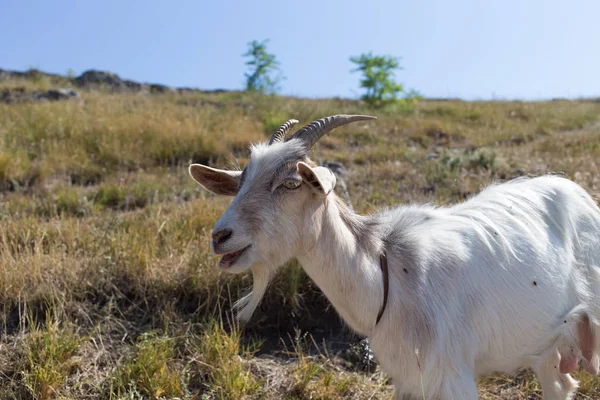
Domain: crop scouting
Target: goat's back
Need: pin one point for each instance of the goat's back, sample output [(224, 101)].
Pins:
[(494, 277)]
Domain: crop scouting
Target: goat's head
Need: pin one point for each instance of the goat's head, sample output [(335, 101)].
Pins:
[(279, 188)]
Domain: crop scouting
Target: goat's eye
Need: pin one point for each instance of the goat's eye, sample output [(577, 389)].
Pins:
[(291, 184)]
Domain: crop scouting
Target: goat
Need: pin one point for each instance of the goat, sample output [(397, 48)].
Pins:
[(508, 279)]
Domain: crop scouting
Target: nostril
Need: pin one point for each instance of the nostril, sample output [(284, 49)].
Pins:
[(221, 235)]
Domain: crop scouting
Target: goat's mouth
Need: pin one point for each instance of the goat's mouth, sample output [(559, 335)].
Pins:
[(231, 258)]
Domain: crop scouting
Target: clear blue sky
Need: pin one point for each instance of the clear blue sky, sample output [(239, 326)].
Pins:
[(473, 49)]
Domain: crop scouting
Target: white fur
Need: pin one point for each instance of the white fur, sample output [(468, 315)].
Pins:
[(496, 283), (500, 274)]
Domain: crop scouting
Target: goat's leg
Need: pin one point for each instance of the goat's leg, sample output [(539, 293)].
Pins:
[(402, 396), (461, 385), (555, 385)]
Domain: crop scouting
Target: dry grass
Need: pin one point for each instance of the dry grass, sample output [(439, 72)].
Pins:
[(107, 284)]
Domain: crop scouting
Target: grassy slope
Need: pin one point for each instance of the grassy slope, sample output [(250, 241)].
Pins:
[(107, 285)]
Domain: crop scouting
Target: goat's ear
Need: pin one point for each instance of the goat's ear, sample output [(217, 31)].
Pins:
[(320, 179), (215, 180)]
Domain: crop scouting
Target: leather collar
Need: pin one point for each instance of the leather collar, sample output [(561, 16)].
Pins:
[(386, 284)]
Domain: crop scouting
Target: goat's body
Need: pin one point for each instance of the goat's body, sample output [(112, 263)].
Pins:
[(488, 284), (480, 287), (506, 280)]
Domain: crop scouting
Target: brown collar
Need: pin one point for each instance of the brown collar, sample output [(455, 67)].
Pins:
[(386, 284)]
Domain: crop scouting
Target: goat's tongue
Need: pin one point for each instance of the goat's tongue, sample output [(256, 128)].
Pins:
[(228, 258)]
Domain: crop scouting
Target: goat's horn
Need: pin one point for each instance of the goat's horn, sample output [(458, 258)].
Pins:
[(316, 129), (279, 134)]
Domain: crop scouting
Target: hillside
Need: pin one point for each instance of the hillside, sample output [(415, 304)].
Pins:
[(108, 287)]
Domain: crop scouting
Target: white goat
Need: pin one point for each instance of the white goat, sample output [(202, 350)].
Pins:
[(506, 280)]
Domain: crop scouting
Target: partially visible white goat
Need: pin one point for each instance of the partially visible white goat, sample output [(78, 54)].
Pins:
[(505, 280)]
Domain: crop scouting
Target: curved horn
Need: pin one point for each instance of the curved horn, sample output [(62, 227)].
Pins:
[(316, 129), (279, 134)]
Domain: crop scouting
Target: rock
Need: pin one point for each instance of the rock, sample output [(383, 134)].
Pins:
[(59, 94), (361, 356), (187, 90), (216, 91), (156, 88), (20, 95), (11, 95), (196, 90), (6, 74), (94, 79)]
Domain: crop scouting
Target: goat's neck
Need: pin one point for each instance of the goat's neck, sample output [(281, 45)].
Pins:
[(340, 252)]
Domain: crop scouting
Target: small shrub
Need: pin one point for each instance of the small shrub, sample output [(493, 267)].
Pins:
[(151, 371), (49, 359), (294, 280), (131, 195), (312, 379), (5, 161), (483, 158), (378, 80), (272, 121), (223, 356), (38, 78), (69, 203), (86, 175), (18, 172), (263, 75), (110, 196)]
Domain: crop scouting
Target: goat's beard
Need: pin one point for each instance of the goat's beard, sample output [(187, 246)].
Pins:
[(245, 306)]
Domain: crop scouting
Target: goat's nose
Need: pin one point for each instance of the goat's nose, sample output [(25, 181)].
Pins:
[(221, 236)]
